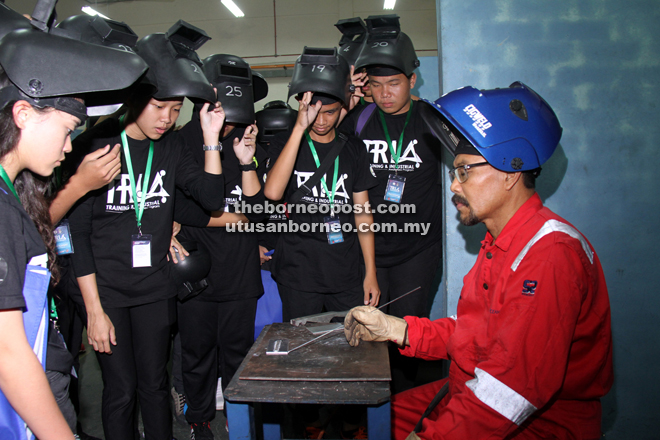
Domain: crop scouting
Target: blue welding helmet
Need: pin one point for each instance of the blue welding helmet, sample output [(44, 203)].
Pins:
[(513, 128), (174, 67), (354, 34)]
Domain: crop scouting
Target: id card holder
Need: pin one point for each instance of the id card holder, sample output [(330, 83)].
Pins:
[(63, 243), (141, 249), (333, 230), (394, 189)]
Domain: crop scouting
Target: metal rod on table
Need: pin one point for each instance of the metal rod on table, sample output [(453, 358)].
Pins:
[(315, 339), (396, 299), (341, 328)]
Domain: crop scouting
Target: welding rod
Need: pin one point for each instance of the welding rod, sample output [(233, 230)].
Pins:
[(396, 299), (315, 339), (342, 328)]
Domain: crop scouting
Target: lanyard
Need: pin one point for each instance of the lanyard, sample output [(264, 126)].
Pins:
[(139, 209), (331, 195), (395, 154), (9, 183)]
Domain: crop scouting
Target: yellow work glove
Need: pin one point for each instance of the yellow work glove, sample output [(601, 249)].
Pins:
[(412, 436), (370, 324)]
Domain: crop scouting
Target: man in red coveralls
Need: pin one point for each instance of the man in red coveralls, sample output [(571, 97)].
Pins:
[(531, 344)]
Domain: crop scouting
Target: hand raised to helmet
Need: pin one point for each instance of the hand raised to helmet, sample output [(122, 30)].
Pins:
[(306, 112), (246, 147), (212, 118)]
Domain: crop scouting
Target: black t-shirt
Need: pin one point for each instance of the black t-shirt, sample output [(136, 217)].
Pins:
[(420, 164), (20, 244), (103, 222), (305, 260), (235, 265)]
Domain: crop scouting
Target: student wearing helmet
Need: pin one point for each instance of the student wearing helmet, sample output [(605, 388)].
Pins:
[(320, 269), (40, 107), (531, 344), (353, 36), (217, 326), (333, 269), (121, 233), (403, 154)]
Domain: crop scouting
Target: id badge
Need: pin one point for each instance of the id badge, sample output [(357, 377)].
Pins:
[(333, 230), (63, 243), (141, 246), (394, 189)]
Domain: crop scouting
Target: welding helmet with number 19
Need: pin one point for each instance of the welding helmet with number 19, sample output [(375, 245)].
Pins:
[(321, 70)]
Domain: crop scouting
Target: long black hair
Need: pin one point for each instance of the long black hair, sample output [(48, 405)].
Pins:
[(31, 188)]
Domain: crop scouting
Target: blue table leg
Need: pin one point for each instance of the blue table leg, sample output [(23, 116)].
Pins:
[(378, 422), (272, 431), (240, 420)]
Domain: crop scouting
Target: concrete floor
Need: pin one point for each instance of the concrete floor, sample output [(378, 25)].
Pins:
[(91, 387)]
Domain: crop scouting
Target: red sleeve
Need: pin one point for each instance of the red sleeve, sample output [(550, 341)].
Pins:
[(530, 339), (428, 339)]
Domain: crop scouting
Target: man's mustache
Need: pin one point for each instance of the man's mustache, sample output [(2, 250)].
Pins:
[(458, 199)]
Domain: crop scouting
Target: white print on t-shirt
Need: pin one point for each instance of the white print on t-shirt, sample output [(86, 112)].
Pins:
[(121, 188), (379, 150), (340, 188), (230, 201)]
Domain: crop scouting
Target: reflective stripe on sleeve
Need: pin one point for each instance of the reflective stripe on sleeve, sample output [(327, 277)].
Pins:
[(500, 397), (547, 228)]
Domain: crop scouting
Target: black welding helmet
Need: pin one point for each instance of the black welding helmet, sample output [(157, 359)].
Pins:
[(104, 32), (189, 274), (238, 88), (47, 70), (276, 117), (354, 34), (321, 70), (98, 30), (174, 67), (11, 20), (387, 46)]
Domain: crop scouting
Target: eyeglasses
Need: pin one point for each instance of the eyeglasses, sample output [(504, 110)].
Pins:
[(462, 172)]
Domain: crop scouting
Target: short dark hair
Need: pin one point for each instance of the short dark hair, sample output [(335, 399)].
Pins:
[(529, 178)]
